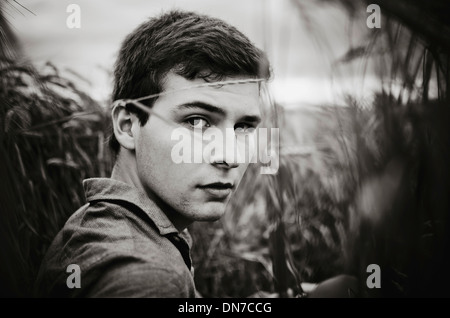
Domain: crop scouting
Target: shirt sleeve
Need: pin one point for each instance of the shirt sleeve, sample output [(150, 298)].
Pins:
[(131, 277)]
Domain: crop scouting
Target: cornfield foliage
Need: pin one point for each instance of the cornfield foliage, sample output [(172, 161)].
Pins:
[(360, 184)]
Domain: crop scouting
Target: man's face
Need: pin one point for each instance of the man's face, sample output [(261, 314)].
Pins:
[(196, 191)]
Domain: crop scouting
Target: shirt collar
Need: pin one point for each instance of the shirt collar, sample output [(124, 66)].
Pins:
[(110, 189)]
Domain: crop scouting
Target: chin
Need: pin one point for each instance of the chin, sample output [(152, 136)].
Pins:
[(209, 218), (211, 211)]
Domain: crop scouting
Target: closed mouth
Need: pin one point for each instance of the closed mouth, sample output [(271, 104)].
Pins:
[(217, 191), (218, 186)]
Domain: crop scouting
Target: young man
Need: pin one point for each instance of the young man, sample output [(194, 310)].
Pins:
[(130, 239)]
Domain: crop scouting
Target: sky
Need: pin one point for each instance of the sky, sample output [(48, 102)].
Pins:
[(302, 44)]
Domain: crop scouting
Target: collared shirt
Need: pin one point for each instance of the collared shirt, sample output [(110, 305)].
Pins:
[(121, 244)]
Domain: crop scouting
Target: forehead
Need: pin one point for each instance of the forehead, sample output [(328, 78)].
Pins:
[(243, 97)]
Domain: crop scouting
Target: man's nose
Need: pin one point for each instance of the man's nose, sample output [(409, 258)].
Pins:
[(225, 164), (226, 155)]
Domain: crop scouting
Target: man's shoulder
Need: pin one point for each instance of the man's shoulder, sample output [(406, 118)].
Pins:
[(99, 229), (111, 246), (128, 276), (117, 274)]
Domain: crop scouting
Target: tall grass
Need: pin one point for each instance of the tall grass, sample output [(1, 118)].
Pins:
[(398, 217), (52, 136)]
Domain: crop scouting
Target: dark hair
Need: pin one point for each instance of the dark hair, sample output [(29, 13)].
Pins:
[(190, 44)]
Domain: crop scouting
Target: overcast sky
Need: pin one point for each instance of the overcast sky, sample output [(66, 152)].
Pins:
[(301, 59)]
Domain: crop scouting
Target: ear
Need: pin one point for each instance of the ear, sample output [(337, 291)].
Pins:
[(123, 122)]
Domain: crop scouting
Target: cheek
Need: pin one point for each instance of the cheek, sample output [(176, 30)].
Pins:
[(155, 165), (151, 152), (154, 139)]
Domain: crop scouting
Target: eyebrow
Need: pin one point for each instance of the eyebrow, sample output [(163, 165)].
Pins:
[(214, 109)]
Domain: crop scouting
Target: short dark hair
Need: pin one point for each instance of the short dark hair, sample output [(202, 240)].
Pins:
[(190, 44)]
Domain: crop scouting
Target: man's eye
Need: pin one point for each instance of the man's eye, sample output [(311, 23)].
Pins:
[(198, 122), (244, 128)]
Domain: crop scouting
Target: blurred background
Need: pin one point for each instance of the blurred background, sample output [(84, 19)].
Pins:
[(363, 116)]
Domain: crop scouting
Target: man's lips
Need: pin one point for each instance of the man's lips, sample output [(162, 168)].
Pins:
[(219, 190), (218, 185)]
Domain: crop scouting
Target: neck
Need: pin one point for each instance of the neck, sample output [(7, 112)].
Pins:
[(125, 170)]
